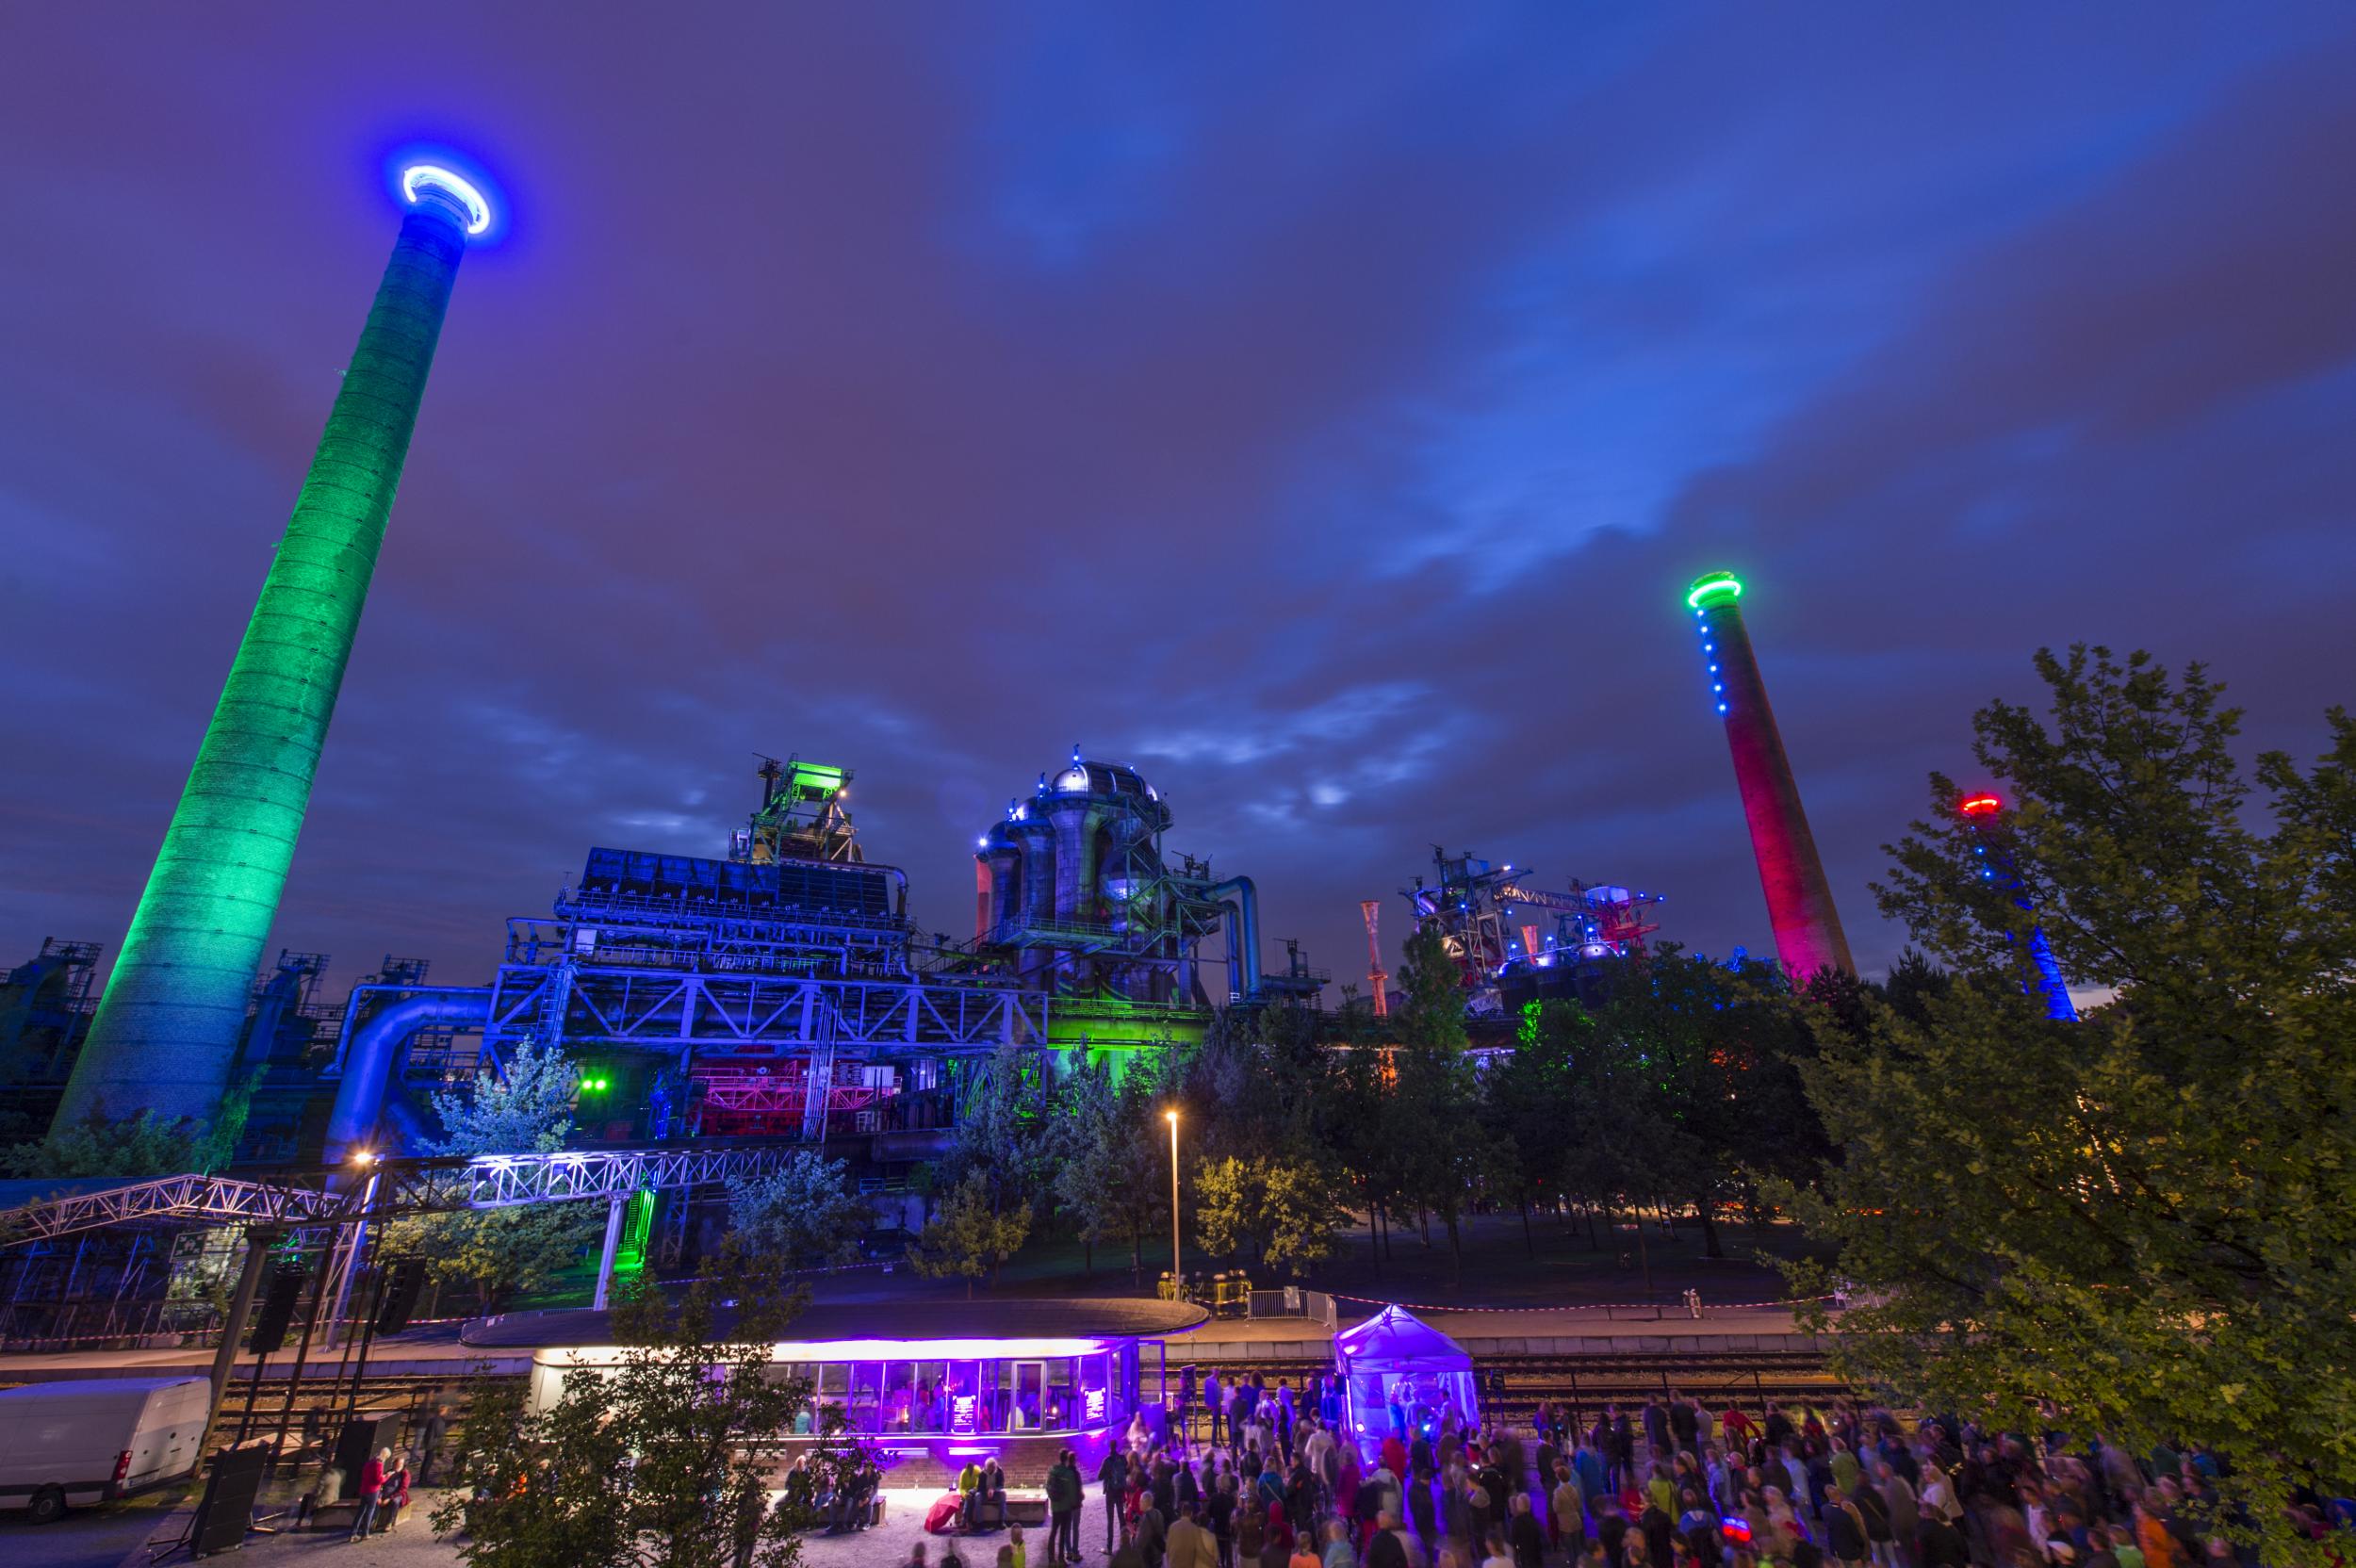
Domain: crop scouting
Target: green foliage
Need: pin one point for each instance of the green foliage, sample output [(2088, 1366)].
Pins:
[(1112, 1181), (647, 1466), (504, 1253), (1431, 1017), (1275, 1212), (1004, 1134), (1699, 1076), (804, 1213), (969, 1238), (2148, 1218), (146, 1145), (1430, 1135)]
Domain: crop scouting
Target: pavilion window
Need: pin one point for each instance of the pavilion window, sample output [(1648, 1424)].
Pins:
[(931, 1406), (866, 1413)]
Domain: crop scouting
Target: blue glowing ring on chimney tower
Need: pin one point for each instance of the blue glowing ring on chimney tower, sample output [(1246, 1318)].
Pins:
[(428, 176)]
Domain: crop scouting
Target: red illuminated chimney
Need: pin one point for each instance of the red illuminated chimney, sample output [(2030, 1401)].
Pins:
[(1799, 900)]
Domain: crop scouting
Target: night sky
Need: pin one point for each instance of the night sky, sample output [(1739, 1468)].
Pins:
[(1320, 408)]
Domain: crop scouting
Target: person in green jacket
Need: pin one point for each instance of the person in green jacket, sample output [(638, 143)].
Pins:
[(1063, 1508)]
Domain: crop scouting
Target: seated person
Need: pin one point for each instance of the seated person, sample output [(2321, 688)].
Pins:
[(798, 1484), (856, 1497), (870, 1490), (968, 1494), (993, 1496)]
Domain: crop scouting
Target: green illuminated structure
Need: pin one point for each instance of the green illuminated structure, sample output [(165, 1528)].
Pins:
[(168, 1027)]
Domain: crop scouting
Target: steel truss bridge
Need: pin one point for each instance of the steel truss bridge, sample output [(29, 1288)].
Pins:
[(391, 1189), (755, 1015), (349, 1202)]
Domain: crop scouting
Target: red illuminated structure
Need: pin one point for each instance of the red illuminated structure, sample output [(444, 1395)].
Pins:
[(1378, 982), (1799, 899)]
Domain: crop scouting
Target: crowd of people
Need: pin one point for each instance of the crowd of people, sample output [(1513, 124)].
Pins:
[(842, 1497), (1273, 1483)]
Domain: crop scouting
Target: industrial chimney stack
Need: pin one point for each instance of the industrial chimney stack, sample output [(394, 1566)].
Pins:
[(168, 1027), (1799, 899)]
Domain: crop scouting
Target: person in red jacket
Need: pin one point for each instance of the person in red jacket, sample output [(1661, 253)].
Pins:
[(371, 1488)]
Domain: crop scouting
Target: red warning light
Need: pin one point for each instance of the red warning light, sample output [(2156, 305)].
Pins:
[(1980, 806)]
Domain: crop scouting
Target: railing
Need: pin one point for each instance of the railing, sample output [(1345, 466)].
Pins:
[(1295, 1301)]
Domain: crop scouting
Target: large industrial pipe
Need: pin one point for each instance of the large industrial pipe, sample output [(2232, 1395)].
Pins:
[(1809, 938), (371, 1048), (168, 1027), (1242, 903)]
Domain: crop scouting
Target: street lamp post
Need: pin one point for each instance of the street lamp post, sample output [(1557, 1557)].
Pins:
[(1177, 1279)]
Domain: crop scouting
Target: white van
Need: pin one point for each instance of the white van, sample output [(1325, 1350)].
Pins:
[(97, 1439)]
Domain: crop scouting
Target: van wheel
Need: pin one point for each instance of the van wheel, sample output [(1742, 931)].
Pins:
[(48, 1506)]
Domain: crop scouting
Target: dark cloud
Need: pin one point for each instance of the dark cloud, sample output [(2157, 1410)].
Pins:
[(1319, 409)]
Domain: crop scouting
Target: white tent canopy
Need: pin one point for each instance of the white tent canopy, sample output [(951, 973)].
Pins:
[(1402, 1378)]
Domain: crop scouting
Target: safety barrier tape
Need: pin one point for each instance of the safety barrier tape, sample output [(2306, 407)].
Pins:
[(1591, 1306)]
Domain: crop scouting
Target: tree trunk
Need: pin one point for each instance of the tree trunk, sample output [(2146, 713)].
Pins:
[(1374, 1239), (1423, 1221), (1530, 1243), (1594, 1243), (1087, 1260), (1644, 1254), (1710, 1229), (1456, 1249)]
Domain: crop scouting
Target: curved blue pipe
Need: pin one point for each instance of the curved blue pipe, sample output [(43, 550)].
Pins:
[(1243, 935), (370, 1051)]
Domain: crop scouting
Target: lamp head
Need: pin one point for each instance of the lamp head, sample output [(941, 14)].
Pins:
[(430, 182), (1982, 805), (364, 1156), (1170, 1116)]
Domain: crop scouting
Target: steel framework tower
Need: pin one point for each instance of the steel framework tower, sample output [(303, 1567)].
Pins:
[(1799, 899), (168, 1026)]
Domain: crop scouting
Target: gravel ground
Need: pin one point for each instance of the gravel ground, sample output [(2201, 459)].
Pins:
[(118, 1538)]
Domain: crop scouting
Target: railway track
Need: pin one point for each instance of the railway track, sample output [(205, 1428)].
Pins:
[(1586, 1383)]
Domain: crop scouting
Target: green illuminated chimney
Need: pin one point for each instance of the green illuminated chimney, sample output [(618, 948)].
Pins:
[(168, 1026)]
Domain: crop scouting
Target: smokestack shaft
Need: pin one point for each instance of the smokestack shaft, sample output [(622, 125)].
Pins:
[(167, 1025), (1799, 898)]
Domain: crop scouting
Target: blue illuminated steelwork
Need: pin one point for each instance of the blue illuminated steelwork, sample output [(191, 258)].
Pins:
[(1983, 812)]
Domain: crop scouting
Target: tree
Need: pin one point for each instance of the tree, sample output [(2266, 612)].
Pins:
[(1110, 1180), (968, 1238), (1003, 1135), (1623, 1145), (1707, 1091), (1275, 1212), (1526, 1100), (804, 1213), (647, 1466), (1430, 1126), (144, 1145), (2147, 1217), (503, 1253)]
